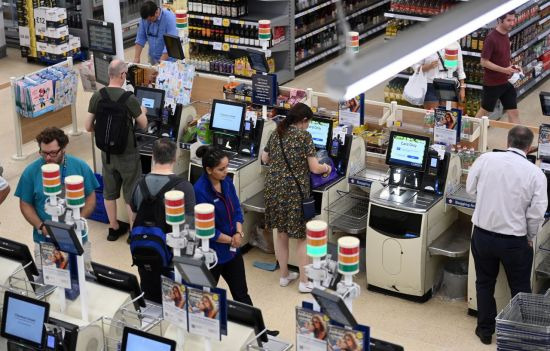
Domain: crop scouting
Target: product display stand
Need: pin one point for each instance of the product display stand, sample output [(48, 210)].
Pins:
[(24, 133)]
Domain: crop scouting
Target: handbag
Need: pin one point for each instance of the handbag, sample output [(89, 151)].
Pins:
[(318, 180), (415, 89), (308, 204)]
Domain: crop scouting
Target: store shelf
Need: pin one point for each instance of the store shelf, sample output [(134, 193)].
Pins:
[(529, 44), (530, 84), (406, 17), (543, 21), (545, 5), (358, 12), (215, 18), (314, 32), (471, 53), (314, 8), (310, 60), (375, 28), (524, 25)]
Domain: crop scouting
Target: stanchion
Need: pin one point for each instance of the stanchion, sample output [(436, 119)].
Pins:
[(74, 192), (348, 266)]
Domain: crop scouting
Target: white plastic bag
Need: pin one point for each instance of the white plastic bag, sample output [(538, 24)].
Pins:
[(415, 89)]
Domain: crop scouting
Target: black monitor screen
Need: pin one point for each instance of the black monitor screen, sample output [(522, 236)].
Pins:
[(241, 313), (227, 116), (18, 252), (101, 68), (334, 307), (194, 271), (64, 237), (445, 89), (152, 100), (119, 280), (101, 37), (173, 46), (23, 319), (257, 61), (407, 150), (136, 340), (545, 103), (321, 132)]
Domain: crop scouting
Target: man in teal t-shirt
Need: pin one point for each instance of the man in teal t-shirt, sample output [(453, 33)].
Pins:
[(52, 143)]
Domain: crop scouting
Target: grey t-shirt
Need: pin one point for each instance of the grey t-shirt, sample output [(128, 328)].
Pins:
[(155, 182)]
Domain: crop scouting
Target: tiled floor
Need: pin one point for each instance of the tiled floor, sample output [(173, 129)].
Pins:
[(434, 325)]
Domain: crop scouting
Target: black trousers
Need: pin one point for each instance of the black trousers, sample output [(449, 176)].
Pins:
[(489, 250), (234, 275)]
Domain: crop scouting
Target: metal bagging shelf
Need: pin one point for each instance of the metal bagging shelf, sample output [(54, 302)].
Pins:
[(524, 324), (543, 268), (349, 213)]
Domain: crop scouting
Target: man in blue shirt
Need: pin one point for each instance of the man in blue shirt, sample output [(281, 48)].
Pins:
[(155, 22), (52, 143)]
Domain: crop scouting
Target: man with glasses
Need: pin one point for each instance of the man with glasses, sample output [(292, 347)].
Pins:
[(52, 142), (120, 170), (155, 22)]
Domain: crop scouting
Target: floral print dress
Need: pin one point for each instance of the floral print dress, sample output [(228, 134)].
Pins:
[(283, 202)]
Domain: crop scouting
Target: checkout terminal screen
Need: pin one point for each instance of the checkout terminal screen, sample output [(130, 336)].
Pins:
[(319, 131), (227, 117), (407, 151), (64, 240), (24, 320), (140, 343), (152, 100)]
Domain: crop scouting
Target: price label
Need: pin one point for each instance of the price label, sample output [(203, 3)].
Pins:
[(225, 47), (217, 46), (207, 18), (226, 22), (241, 23), (217, 21)]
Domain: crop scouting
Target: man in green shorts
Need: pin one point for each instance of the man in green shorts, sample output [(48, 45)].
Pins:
[(121, 170)]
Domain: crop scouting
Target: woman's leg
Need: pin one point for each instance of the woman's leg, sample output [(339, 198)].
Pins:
[(233, 273), (281, 253), (302, 258)]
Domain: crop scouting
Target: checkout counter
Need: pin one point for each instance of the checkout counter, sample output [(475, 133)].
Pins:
[(408, 215)]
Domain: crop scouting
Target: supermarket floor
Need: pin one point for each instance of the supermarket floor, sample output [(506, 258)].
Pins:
[(434, 325)]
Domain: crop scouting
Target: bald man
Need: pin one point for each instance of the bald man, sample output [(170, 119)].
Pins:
[(123, 170)]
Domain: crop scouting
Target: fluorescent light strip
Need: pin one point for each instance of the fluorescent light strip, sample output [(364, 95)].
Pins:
[(403, 62)]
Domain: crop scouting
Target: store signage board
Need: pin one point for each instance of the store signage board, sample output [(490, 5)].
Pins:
[(264, 89), (447, 126), (352, 111), (101, 37), (544, 142)]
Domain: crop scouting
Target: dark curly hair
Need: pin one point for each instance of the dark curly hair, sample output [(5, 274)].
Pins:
[(296, 114), (210, 155), (50, 134)]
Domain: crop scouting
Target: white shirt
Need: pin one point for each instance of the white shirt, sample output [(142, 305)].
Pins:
[(440, 72), (3, 183), (510, 193)]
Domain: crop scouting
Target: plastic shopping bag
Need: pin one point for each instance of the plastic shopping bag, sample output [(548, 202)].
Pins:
[(415, 89)]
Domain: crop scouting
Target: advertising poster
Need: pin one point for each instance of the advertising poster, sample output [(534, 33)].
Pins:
[(174, 302), (342, 339), (311, 330), (204, 313), (55, 266), (351, 111), (447, 126), (176, 79), (544, 143)]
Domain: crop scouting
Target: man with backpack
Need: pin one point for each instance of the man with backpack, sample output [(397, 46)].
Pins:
[(112, 112), (148, 238)]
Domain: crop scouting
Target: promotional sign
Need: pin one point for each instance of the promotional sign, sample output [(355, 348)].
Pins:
[(174, 302), (447, 126), (311, 330), (55, 266), (544, 142), (264, 89), (205, 309), (352, 111), (357, 339)]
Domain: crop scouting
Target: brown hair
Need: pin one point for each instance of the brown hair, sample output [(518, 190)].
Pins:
[(297, 113), (50, 134)]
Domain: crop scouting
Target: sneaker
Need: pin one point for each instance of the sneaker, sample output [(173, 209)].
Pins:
[(290, 277), (486, 339), (305, 287), (115, 234)]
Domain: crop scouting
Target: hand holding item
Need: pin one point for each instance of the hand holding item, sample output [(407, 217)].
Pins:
[(434, 64), (328, 170), (236, 240), (511, 70)]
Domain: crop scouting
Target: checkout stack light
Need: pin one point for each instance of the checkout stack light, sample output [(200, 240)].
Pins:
[(264, 31), (74, 186), (204, 224), (317, 238), (348, 256), (51, 179), (182, 20), (353, 42), (174, 207), (451, 55)]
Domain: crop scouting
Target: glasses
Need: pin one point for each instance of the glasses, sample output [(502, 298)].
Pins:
[(51, 154)]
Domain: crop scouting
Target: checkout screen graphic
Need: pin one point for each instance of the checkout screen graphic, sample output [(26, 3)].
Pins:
[(319, 132), (25, 320), (228, 117), (407, 151), (140, 343)]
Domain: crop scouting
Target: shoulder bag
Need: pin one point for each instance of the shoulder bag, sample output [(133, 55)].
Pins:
[(308, 204)]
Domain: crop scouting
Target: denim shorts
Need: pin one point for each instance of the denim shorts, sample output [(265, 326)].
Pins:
[(431, 96)]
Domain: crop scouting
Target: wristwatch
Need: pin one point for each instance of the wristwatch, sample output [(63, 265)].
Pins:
[(41, 226)]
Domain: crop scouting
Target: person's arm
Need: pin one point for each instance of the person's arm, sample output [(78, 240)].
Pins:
[(31, 216), (141, 39), (494, 67), (89, 205), (265, 157), (461, 76), (473, 177), (89, 122), (316, 167), (141, 120), (536, 210)]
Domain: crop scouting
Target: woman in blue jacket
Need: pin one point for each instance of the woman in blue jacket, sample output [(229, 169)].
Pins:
[(214, 188)]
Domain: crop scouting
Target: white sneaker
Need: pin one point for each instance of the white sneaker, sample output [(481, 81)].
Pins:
[(305, 287), (290, 277)]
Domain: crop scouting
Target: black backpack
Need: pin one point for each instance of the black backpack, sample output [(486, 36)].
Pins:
[(112, 124), (148, 239)]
